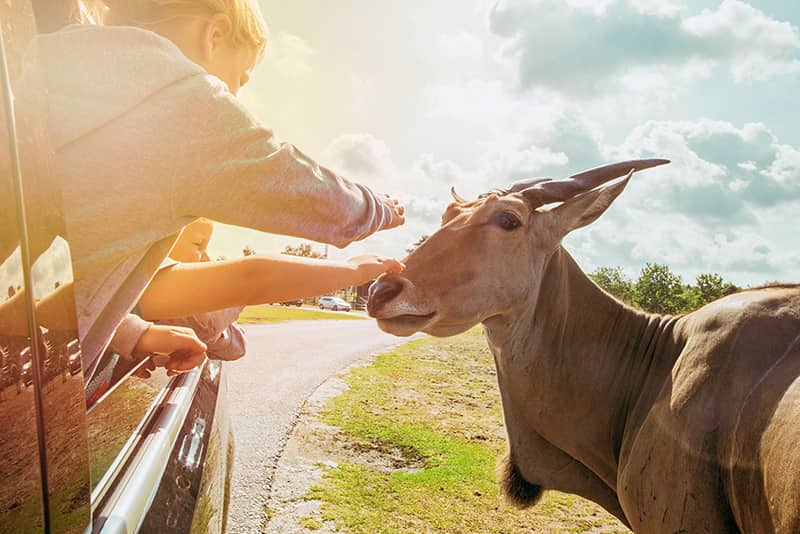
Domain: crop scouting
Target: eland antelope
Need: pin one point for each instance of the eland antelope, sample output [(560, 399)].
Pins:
[(672, 423)]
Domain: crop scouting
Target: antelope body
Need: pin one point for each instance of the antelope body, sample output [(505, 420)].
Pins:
[(673, 424)]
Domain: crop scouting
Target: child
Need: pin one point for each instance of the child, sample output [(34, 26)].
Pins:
[(188, 286), (149, 136)]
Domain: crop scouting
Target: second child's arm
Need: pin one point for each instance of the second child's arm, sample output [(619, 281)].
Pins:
[(192, 288)]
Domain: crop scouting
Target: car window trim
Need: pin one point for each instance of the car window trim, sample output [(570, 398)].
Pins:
[(113, 387), (106, 483), (127, 503)]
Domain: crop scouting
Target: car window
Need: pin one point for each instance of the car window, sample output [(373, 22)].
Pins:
[(113, 421)]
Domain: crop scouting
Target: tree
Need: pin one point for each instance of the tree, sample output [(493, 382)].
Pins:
[(659, 290), (248, 251), (417, 243), (303, 250), (710, 287), (614, 281)]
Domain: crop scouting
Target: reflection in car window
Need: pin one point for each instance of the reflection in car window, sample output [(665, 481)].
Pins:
[(20, 492), (113, 421), (36, 277)]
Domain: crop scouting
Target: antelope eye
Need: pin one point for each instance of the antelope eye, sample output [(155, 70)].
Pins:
[(506, 220)]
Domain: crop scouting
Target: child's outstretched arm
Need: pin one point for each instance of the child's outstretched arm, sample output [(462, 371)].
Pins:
[(192, 288), (230, 168)]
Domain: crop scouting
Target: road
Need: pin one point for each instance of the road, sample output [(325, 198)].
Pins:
[(285, 363)]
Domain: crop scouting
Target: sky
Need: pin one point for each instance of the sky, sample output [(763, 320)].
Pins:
[(478, 94)]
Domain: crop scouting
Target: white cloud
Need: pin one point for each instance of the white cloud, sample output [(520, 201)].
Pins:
[(360, 155), (705, 211), (440, 172), (462, 45), (708, 178), (785, 169), (616, 46), (524, 163), (290, 55), (10, 273), (52, 266), (755, 45), (661, 8)]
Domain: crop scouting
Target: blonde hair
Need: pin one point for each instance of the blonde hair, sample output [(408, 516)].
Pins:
[(248, 24)]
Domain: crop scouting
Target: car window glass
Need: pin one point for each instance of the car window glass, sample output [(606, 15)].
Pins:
[(112, 421)]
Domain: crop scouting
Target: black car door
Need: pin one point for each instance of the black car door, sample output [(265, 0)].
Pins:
[(43, 440)]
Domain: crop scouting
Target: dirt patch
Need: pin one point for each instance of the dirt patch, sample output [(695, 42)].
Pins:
[(411, 445), (314, 447)]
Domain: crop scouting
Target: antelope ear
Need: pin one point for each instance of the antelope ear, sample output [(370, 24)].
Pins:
[(585, 208)]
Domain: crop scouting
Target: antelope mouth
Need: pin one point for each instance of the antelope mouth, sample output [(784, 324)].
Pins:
[(405, 324)]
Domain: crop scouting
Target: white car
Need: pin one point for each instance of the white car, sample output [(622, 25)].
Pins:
[(333, 303)]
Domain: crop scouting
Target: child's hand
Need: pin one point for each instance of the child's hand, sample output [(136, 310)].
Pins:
[(185, 350), (146, 369), (370, 267), (398, 212)]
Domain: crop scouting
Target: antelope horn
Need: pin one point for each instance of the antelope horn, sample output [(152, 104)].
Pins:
[(547, 191), (456, 196)]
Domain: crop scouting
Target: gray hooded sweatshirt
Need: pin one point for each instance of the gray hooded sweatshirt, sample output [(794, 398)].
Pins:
[(147, 141)]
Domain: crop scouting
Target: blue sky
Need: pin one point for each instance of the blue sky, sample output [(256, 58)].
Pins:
[(476, 94)]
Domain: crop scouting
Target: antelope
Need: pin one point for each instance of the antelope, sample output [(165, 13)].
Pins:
[(685, 423)]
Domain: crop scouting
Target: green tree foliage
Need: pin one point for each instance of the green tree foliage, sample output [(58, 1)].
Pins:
[(303, 249), (710, 287), (659, 290), (614, 281)]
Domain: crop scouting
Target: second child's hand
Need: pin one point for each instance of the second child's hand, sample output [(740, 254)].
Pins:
[(184, 349), (369, 267)]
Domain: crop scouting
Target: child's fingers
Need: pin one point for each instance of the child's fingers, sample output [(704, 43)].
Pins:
[(180, 362), (392, 265), (397, 209)]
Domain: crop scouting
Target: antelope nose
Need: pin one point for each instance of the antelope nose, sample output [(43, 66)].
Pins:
[(382, 291)]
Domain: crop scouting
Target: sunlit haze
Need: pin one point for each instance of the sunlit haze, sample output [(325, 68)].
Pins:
[(477, 94)]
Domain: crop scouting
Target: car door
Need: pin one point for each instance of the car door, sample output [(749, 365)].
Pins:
[(43, 440), (149, 455)]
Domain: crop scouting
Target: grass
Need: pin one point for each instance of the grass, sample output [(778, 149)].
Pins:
[(436, 400), (266, 313), (112, 422), (310, 523)]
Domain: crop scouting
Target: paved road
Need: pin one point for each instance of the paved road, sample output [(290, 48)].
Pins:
[(285, 363)]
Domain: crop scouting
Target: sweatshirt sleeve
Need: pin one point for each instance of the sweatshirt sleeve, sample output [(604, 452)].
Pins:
[(127, 335), (224, 340), (230, 168), (230, 345)]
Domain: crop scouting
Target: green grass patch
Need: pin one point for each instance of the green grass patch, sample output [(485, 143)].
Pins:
[(437, 401), (266, 313), (311, 523)]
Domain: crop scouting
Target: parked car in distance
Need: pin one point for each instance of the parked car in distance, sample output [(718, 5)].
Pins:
[(298, 303), (74, 357), (333, 303)]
